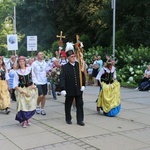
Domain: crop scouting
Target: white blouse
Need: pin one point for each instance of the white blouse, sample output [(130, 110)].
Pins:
[(20, 72), (102, 71)]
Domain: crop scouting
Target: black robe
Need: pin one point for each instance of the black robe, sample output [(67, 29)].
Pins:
[(70, 80)]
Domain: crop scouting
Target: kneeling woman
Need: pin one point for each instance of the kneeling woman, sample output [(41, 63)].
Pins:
[(109, 96), (26, 93)]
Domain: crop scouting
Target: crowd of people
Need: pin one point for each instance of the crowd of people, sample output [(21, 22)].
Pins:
[(26, 82)]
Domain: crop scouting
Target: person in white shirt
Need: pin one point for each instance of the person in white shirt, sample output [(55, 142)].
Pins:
[(146, 74), (146, 77), (10, 63), (100, 62), (95, 70), (39, 71)]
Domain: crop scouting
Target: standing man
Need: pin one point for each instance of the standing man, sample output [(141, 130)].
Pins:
[(100, 62), (71, 88), (12, 61), (39, 73)]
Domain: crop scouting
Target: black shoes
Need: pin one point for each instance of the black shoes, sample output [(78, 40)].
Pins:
[(59, 94), (7, 111), (68, 122), (81, 123), (55, 98)]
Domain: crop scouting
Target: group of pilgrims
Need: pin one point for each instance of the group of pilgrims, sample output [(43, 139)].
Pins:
[(26, 82)]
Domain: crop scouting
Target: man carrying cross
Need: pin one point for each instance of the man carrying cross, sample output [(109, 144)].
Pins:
[(71, 87)]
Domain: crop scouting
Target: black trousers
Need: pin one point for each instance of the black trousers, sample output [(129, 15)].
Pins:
[(79, 106), (12, 94), (144, 79)]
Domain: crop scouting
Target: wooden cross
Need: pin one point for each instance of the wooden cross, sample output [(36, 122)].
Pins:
[(60, 36), (60, 43)]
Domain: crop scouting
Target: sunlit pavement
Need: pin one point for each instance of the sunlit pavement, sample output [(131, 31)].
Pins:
[(130, 130)]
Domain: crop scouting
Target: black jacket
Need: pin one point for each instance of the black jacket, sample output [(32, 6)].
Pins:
[(70, 80)]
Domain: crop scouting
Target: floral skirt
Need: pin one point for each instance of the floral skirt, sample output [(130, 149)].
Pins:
[(26, 103), (4, 95)]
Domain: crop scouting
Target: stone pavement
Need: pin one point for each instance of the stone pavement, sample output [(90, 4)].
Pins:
[(130, 130)]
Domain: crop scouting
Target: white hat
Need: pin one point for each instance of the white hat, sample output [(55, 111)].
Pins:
[(69, 46), (69, 49), (53, 59)]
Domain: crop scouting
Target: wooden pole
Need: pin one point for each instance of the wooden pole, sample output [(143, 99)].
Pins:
[(79, 60)]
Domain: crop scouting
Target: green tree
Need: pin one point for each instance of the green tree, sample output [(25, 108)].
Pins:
[(6, 27), (133, 18), (96, 16), (67, 19), (86, 41), (93, 18), (34, 18)]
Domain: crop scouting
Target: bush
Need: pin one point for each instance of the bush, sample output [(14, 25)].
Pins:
[(130, 62), (131, 56), (47, 54), (98, 51), (130, 75)]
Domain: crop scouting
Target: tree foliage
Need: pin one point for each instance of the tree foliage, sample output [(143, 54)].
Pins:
[(34, 19), (93, 18), (133, 19), (6, 8)]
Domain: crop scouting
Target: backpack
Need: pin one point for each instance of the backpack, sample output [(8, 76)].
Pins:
[(144, 86)]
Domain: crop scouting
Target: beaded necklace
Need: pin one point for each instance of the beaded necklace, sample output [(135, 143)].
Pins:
[(41, 65)]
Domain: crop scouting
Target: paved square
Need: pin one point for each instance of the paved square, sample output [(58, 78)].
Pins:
[(130, 130)]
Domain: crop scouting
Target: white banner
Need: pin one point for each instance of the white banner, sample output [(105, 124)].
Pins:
[(31, 43), (12, 42)]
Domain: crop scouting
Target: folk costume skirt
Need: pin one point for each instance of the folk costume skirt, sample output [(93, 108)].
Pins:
[(4, 95), (26, 103), (109, 99)]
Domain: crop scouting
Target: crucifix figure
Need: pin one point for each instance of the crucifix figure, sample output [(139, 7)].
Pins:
[(60, 38)]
